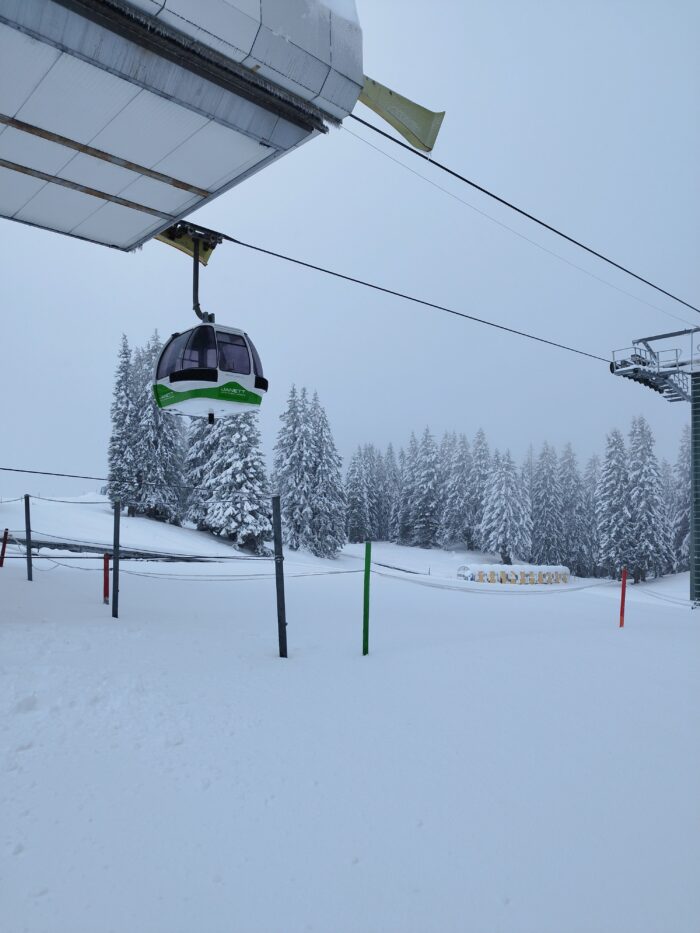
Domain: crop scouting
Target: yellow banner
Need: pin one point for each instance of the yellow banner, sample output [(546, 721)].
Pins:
[(416, 124)]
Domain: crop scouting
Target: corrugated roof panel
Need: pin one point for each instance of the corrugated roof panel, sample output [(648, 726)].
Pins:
[(23, 63), (77, 99), (168, 126), (15, 190), (33, 151), (119, 226), (58, 208), (213, 153)]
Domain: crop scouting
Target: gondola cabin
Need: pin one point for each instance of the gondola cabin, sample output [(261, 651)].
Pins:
[(209, 371)]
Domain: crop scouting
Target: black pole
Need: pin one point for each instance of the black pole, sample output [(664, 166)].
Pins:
[(279, 576), (28, 537), (115, 560), (195, 279)]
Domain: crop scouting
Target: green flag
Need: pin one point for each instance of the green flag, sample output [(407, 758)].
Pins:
[(415, 123)]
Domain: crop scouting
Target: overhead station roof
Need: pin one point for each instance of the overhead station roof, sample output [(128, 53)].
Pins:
[(117, 119)]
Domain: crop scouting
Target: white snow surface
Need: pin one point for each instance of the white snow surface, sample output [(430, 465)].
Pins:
[(499, 762)]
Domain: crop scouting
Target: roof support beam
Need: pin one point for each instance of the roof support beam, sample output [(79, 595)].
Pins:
[(100, 154), (65, 183)]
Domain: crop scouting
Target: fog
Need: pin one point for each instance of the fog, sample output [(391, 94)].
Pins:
[(584, 114)]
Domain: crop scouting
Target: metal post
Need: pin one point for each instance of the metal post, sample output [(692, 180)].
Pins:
[(28, 536), (4, 547), (365, 614), (695, 488), (279, 576), (105, 580), (115, 560), (622, 597)]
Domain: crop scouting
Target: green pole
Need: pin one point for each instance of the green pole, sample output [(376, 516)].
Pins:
[(365, 618)]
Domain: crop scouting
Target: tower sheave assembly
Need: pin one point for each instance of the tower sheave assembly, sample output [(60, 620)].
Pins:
[(675, 374), (117, 119)]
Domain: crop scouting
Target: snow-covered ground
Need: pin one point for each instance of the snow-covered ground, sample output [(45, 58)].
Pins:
[(504, 761)]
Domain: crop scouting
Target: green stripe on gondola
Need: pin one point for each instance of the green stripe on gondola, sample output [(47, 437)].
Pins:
[(229, 392)]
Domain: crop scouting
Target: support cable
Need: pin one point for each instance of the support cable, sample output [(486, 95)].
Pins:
[(415, 300), (524, 213), (522, 236)]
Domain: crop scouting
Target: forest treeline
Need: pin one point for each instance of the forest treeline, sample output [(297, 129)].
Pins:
[(624, 508)]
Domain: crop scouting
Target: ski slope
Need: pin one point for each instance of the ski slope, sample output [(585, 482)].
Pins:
[(500, 762)]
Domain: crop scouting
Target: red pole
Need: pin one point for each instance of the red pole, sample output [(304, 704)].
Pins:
[(622, 597), (105, 585), (4, 546)]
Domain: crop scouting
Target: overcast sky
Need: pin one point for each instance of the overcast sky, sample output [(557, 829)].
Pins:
[(584, 113)]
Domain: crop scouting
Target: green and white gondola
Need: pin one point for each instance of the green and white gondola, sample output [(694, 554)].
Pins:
[(209, 371)]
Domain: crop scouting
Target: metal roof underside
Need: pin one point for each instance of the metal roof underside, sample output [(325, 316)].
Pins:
[(102, 139)]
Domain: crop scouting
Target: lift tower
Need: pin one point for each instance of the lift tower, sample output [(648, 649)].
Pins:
[(675, 374)]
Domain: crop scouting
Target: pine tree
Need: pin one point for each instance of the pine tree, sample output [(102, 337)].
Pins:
[(547, 507), (122, 483), (397, 505), (202, 442), (357, 493), (455, 524), (505, 524), (444, 470), (668, 510), (681, 512), (573, 509), (158, 443), (373, 472), (392, 485), (408, 493), (478, 485), (293, 470), (650, 550), (240, 508), (612, 507), (427, 493), (327, 526), (591, 541)]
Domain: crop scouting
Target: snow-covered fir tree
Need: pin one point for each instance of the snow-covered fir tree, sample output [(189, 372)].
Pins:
[(373, 471), (668, 507), (426, 493), (591, 541), (239, 508), (397, 505), (408, 493), (390, 492), (650, 551), (573, 508), (547, 509), (444, 468), (293, 470), (681, 512), (506, 524), (612, 507), (478, 485), (326, 532), (122, 483), (198, 479), (158, 445), (455, 521), (357, 494)]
